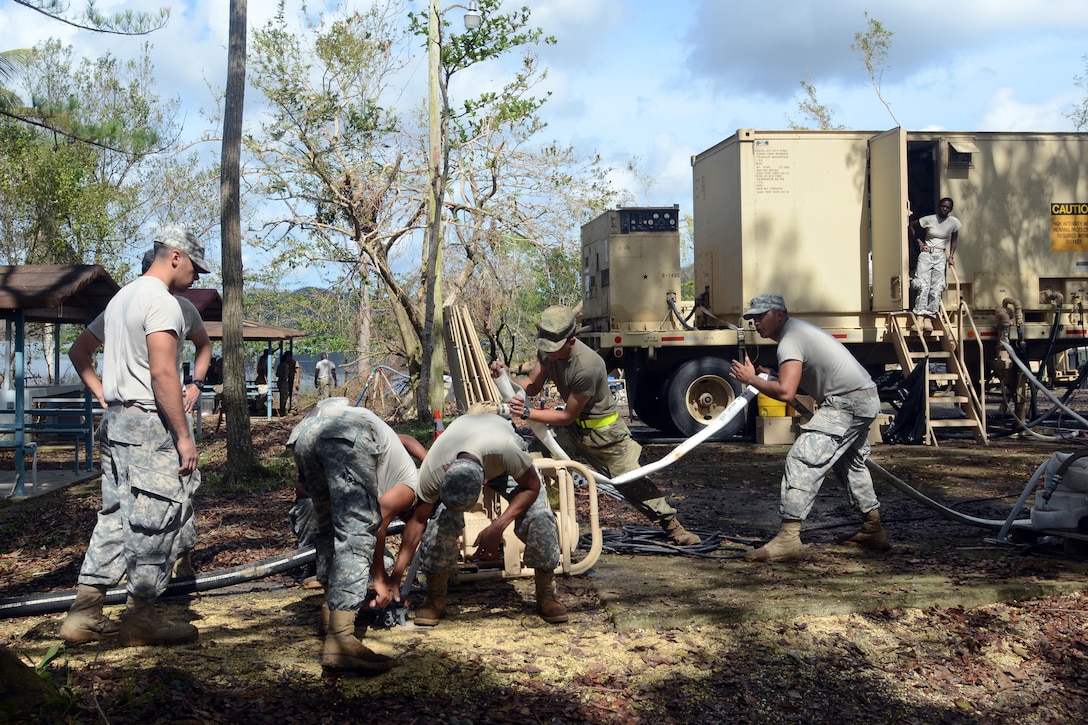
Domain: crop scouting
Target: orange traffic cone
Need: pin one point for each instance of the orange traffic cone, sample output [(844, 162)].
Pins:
[(438, 426)]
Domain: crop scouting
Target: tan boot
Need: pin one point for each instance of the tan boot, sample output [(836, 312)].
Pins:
[(85, 621), (548, 606), (872, 534), (141, 626), (343, 651), (786, 546), (183, 567), (434, 604), (678, 534)]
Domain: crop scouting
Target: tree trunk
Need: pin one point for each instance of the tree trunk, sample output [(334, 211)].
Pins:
[(363, 318), (240, 461)]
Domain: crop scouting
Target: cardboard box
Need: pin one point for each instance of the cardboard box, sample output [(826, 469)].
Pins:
[(776, 431)]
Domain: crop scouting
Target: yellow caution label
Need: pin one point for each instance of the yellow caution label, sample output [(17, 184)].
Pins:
[(1069, 227)]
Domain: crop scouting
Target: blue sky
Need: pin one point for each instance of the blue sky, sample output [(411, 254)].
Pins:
[(661, 81)]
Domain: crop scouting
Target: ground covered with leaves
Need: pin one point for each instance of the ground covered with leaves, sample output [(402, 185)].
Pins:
[(1016, 659)]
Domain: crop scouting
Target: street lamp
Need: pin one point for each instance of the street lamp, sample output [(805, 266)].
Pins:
[(432, 316)]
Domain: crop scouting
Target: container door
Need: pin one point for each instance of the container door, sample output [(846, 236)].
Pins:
[(888, 220)]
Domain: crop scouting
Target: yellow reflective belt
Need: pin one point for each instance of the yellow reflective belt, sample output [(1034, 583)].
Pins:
[(599, 422)]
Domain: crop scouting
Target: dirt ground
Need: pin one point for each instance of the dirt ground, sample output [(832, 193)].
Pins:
[(947, 627)]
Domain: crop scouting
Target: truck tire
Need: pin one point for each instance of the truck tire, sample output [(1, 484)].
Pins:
[(697, 392), (648, 401)]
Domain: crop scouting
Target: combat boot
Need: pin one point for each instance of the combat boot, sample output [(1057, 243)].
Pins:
[(548, 606), (434, 604), (183, 567), (678, 534), (343, 651), (141, 626), (323, 624), (872, 534), (786, 546), (85, 621)]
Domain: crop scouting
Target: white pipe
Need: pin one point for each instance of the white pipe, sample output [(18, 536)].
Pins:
[(508, 390)]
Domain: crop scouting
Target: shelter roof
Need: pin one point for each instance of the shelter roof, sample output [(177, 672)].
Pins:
[(55, 292), (207, 302), (255, 331)]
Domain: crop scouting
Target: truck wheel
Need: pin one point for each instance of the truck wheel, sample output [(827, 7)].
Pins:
[(697, 392), (648, 401)]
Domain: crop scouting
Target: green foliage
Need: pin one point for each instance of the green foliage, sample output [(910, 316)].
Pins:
[(813, 112), (873, 45), (66, 200), (273, 474), (125, 22)]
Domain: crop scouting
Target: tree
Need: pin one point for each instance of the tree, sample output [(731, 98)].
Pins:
[(1079, 113), (873, 45), (125, 22), (353, 179), (496, 35), (67, 199), (334, 158), (816, 113), (240, 461)]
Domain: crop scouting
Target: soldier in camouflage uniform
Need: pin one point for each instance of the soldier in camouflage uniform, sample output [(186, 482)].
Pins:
[(148, 450), (358, 475), (836, 438), (475, 449), (589, 424)]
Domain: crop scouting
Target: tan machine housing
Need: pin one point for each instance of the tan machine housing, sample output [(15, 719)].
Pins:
[(821, 217)]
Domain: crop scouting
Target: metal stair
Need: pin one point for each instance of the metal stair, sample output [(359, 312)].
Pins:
[(912, 346)]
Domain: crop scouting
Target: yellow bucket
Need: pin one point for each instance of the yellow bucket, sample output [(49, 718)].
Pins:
[(769, 407)]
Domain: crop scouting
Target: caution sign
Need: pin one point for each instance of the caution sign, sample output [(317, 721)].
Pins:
[(1069, 227)]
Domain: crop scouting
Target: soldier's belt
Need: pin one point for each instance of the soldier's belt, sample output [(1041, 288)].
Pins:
[(598, 422)]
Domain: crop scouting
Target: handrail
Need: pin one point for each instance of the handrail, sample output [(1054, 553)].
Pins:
[(964, 314)]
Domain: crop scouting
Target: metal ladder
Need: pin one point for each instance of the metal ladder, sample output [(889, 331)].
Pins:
[(941, 345)]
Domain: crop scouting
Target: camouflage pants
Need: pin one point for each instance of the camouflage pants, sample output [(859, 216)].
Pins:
[(303, 522), (536, 528), (147, 511), (336, 461), (931, 277), (837, 438), (613, 452), (324, 388)]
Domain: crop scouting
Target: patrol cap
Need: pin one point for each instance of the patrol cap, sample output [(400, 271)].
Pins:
[(184, 240), (557, 324), (461, 485), (764, 303)]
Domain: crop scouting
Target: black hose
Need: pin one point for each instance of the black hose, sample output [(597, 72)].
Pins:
[(676, 312), (55, 602), (650, 540)]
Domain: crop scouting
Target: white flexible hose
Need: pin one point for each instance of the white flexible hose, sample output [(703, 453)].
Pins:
[(1035, 381), (508, 390)]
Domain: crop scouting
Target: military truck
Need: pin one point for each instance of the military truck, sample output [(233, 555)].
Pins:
[(821, 217)]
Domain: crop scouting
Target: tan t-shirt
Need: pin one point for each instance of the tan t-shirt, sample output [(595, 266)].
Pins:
[(583, 373), (490, 438), (141, 307), (193, 325)]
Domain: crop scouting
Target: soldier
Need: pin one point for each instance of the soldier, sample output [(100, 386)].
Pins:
[(359, 476), (474, 450), (589, 423), (836, 437), (151, 472)]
